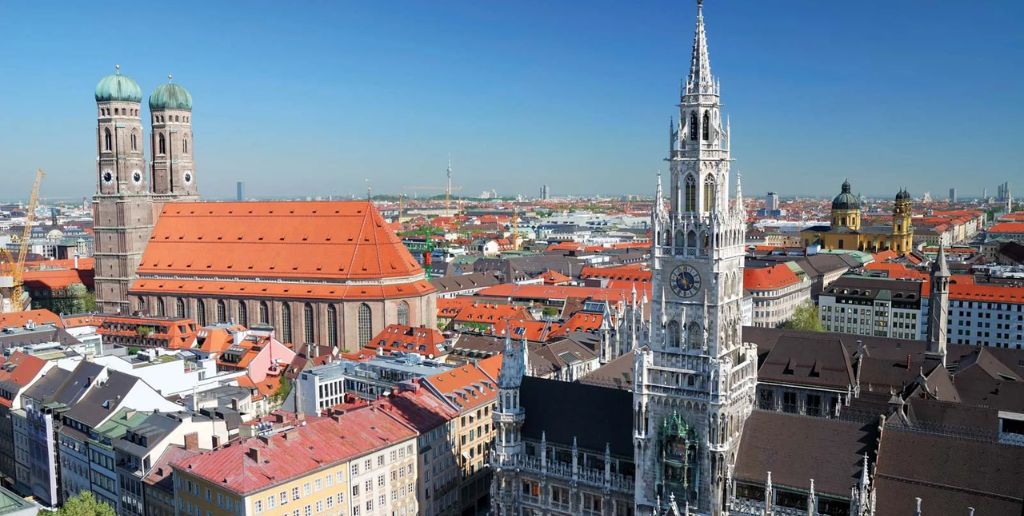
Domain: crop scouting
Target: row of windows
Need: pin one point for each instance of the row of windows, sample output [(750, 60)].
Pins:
[(176, 118), (119, 111)]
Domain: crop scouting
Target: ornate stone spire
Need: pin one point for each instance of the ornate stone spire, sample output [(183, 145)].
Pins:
[(700, 79)]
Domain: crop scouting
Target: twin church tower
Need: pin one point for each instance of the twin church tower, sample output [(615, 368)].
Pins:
[(129, 194)]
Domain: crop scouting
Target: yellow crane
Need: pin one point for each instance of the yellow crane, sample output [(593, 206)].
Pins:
[(16, 265)]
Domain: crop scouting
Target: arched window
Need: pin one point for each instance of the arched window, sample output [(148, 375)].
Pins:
[(179, 309), (332, 326), (135, 145), (709, 193), (184, 145), (222, 311), (243, 314), (691, 239), (673, 334), (200, 312), (693, 126), (706, 126), (160, 308), (141, 303), (679, 241), (286, 323), (403, 313), (365, 322), (108, 141), (163, 144), (691, 193), (307, 319), (695, 339), (264, 313)]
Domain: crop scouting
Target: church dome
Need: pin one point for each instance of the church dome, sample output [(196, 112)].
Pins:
[(117, 87), (903, 195), (170, 96), (846, 200)]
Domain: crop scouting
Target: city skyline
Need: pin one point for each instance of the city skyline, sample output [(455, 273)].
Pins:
[(572, 99)]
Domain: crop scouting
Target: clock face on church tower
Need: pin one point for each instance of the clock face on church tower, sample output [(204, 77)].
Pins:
[(685, 281)]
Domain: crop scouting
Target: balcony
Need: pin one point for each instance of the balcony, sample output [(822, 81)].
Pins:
[(560, 470)]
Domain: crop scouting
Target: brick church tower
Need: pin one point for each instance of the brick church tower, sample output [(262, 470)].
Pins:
[(122, 206), (128, 197), (173, 170)]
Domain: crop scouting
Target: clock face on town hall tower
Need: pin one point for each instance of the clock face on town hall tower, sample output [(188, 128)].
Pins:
[(685, 281)]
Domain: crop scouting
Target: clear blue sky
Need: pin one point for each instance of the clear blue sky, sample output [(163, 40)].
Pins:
[(312, 98)]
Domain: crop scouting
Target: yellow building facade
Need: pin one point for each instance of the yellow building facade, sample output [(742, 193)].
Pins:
[(327, 467), (847, 232)]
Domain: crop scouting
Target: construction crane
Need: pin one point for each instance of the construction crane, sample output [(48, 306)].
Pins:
[(16, 265)]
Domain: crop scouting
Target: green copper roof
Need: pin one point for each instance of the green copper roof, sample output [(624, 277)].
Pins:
[(170, 96), (118, 87)]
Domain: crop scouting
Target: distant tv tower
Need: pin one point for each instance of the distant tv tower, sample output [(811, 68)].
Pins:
[(448, 188)]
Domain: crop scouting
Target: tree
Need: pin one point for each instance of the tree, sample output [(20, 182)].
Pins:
[(85, 504), (805, 317), (283, 389)]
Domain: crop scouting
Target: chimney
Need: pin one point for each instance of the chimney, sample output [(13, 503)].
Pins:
[(76, 261), (254, 454), (192, 441)]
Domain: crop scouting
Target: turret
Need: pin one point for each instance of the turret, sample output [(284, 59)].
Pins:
[(938, 307)]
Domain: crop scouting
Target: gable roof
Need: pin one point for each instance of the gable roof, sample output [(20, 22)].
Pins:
[(793, 447), (20, 319), (335, 240), (594, 415)]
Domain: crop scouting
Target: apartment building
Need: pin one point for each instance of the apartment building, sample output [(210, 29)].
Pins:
[(880, 307), (775, 292), (360, 463)]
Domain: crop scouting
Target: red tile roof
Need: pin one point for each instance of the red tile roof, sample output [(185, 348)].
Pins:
[(280, 290), (295, 453), (409, 339), (450, 307), (963, 287), (490, 313), (58, 279), (313, 249), (467, 387), (19, 319), (553, 277), (619, 273), (1007, 227), (560, 293), (17, 372), (537, 331), (766, 278)]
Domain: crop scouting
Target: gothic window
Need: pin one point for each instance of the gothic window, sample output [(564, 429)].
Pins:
[(307, 319), (706, 126), (135, 145), (243, 314), (364, 324), (184, 145), (108, 142), (286, 322), (222, 311), (141, 304), (264, 313), (691, 193), (709, 193), (403, 313), (180, 308), (332, 326), (693, 126), (680, 240), (163, 144), (160, 308), (673, 334), (694, 338), (691, 239), (200, 312)]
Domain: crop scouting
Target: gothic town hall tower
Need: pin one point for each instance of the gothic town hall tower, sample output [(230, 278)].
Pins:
[(694, 378)]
